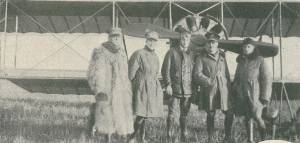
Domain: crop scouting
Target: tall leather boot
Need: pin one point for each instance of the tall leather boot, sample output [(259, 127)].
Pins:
[(263, 134), (183, 128), (108, 138), (262, 127), (228, 128), (129, 139), (170, 129), (249, 129), (124, 139), (137, 126), (210, 127), (143, 132)]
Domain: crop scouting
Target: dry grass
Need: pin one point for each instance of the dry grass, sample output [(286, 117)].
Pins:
[(66, 119)]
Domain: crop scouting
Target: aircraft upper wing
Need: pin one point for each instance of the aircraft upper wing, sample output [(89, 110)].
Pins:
[(138, 30)]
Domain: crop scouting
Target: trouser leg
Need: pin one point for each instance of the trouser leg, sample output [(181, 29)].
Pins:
[(183, 128), (229, 117), (185, 105), (210, 124), (173, 106), (170, 128)]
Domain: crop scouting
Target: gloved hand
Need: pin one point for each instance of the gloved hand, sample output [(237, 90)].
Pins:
[(263, 101), (211, 81), (169, 90), (101, 97), (94, 130)]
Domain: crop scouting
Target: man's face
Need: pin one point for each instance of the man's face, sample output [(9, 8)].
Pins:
[(202, 27), (194, 28), (248, 49), (212, 46), (151, 43), (116, 39), (185, 40)]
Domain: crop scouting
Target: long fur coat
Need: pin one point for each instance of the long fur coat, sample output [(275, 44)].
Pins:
[(108, 76)]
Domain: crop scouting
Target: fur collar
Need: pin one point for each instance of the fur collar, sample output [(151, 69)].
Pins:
[(111, 47)]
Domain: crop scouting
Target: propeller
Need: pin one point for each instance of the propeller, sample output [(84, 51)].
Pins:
[(210, 24)]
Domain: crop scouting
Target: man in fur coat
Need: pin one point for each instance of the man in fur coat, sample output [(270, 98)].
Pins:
[(108, 79)]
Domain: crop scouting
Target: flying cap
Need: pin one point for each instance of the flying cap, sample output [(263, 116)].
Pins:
[(115, 31), (149, 34), (248, 41), (212, 36)]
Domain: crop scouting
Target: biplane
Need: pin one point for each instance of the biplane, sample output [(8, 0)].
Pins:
[(46, 44)]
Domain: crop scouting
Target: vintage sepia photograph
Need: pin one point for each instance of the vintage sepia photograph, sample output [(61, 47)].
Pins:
[(149, 71)]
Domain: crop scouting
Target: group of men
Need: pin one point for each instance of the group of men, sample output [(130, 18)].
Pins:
[(183, 71), (123, 89)]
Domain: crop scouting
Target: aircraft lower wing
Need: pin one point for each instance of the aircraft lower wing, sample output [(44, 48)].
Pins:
[(74, 82), (49, 81)]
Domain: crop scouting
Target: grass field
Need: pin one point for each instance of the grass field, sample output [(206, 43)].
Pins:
[(27, 117)]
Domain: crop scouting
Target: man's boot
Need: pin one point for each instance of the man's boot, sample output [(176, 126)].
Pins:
[(249, 128), (210, 126), (228, 128), (108, 138), (137, 126), (263, 134), (129, 139), (143, 133), (183, 128), (170, 128)]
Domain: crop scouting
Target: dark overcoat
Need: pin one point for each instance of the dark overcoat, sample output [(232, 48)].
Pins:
[(252, 83), (212, 74)]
